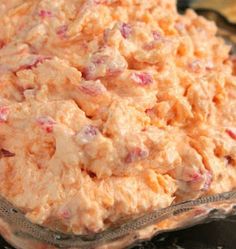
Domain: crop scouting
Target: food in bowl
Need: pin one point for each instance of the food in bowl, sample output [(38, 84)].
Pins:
[(110, 109)]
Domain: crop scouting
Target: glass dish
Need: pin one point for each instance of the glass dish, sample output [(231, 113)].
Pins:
[(23, 234)]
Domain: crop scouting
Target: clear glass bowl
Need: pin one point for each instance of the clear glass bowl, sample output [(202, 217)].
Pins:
[(23, 234)]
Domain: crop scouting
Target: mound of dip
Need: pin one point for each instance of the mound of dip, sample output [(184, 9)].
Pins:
[(111, 108)]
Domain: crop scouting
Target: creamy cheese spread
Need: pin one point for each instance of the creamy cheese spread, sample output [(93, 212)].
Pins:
[(110, 108)]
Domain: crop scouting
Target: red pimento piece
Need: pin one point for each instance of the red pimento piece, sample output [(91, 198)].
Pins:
[(149, 111), (100, 59), (64, 213), (6, 153), (45, 13), (92, 88), (136, 154), (4, 113), (208, 181), (231, 133), (34, 63), (87, 134), (91, 131), (142, 79), (156, 35), (196, 177), (40, 59), (126, 30), (46, 123), (88, 72), (61, 31)]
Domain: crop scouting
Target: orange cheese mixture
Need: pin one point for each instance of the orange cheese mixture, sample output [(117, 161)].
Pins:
[(111, 108)]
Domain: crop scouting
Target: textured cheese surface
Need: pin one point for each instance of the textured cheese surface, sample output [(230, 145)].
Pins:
[(110, 108)]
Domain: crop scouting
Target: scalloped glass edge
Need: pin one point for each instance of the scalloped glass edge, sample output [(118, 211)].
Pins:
[(23, 234)]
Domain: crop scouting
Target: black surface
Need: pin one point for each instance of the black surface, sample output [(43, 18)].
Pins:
[(215, 235), (183, 4)]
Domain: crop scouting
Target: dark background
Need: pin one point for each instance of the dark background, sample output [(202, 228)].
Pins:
[(215, 235)]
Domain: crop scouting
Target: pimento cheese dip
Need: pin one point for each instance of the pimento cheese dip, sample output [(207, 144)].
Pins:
[(110, 108)]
